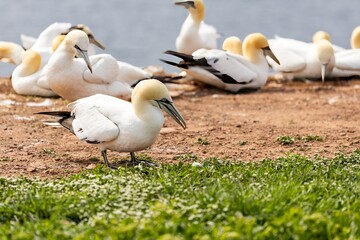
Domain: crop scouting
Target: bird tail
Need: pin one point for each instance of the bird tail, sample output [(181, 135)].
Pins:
[(65, 120)]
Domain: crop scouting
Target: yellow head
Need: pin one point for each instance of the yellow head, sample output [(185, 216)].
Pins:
[(196, 8), (233, 45), (324, 50), (77, 42), (255, 42), (325, 53), (320, 35), (153, 93), (355, 38)]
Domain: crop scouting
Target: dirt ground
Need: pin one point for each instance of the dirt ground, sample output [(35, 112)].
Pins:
[(238, 127)]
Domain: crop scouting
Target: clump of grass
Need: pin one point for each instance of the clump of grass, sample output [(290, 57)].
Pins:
[(186, 157), (311, 138), (292, 197), (285, 140), (5, 159), (202, 141)]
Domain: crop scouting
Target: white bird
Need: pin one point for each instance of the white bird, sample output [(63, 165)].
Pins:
[(73, 78), (118, 125), (229, 71), (27, 77), (347, 61), (302, 60), (11, 52), (195, 33)]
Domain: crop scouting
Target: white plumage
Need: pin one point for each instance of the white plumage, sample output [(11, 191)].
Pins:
[(27, 78), (226, 70), (302, 60), (73, 78), (195, 33), (118, 125)]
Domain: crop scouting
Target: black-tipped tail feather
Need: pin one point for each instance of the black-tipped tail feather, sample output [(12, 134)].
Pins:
[(65, 118)]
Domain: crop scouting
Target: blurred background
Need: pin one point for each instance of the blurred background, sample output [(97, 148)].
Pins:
[(139, 31)]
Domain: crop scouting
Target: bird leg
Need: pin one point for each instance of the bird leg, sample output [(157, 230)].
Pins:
[(103, 153), (134, 161)]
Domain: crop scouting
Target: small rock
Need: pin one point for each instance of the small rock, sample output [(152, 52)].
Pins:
[(196, 164), (91, 166), (31, 169)]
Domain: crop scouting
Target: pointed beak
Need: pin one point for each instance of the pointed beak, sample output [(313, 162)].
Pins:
[(93, 40), (173, 112), (83, 54), (323, 72), (267, 52), (186, 4)]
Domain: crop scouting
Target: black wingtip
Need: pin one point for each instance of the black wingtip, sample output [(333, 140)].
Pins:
[(61, 114), (183, 56)]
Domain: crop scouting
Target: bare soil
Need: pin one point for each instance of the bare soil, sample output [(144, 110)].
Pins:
[(237, 127)]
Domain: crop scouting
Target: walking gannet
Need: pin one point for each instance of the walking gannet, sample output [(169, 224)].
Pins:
[(118, 125)]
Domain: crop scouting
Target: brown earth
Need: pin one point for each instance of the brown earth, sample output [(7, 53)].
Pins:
[(241, 127)]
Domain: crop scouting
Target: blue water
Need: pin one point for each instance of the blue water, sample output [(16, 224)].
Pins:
[(138, 31)]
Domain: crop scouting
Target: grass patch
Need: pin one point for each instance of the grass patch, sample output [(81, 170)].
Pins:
[(202, 141), (293, 197), (285, 140)]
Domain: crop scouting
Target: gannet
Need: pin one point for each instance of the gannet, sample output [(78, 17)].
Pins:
[(229, 71), (347, 61), (11, 52), (302, 60), (27, 77), (195, 33), (106, 64), (73, 78), (118, 125)]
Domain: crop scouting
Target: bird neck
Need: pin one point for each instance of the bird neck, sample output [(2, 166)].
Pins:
[(198, 14), (11, 52), (31, 63), (251, 53), (147, 112)]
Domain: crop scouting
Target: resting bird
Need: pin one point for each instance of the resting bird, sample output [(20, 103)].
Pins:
[(302, 60), (27, 78), (118, 125), (229, 71), (195, 33), (74, 78)]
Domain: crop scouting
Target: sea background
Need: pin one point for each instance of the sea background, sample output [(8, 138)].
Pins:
[(139, 31)]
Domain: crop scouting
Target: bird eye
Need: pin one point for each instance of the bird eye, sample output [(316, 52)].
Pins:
[(165, 100)]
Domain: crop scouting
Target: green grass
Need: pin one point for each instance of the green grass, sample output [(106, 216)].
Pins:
[(293, 197)]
